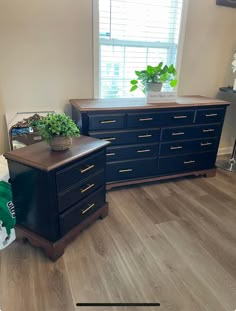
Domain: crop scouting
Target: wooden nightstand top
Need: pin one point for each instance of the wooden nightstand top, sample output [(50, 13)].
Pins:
[(40, 155)]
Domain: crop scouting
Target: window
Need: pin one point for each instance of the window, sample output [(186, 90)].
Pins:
[(132, 34)]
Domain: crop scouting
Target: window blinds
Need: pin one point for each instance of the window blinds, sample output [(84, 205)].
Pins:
[(132, 35)]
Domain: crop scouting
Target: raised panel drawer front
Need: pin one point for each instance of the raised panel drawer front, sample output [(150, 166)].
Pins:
[(182, 147), (105, 122), (117, 171), (192, 162), (75, 173), (132, 152), (191, 132), (80, 191), (129, 137), (210, 115), (80, 211)]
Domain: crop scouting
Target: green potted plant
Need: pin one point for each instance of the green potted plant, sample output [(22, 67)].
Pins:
[(152, 78), (57, 130)]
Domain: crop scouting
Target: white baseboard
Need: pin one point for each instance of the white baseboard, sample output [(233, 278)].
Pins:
[(225, 150)]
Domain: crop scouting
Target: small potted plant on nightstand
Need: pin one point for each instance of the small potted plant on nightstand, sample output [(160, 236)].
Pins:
[(57, 130), (152, 78)]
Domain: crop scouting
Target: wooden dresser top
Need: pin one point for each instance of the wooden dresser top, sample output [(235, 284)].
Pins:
[(40, 155), (140, 103)]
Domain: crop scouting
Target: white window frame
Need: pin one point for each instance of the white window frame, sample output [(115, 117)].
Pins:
[(114, 42)]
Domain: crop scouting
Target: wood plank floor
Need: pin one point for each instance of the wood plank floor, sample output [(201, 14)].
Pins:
[(169, 242)]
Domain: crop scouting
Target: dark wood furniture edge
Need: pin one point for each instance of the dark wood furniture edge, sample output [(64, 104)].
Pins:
[(10, 155), (206, 173), (88, 105), (56, 250)]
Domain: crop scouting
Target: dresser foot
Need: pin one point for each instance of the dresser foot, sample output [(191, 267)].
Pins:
[(56, 250), (210, 173)]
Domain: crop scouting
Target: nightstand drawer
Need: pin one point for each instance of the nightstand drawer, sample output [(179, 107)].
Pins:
[(183, 147), (129, 137), (131, 169), (190, 162), (210, 115), (106, 122), (80, 191), (75, 173), (190, 132), (131, 152), (80, 211)]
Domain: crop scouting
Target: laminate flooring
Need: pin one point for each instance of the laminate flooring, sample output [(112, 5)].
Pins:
[(172, 242)]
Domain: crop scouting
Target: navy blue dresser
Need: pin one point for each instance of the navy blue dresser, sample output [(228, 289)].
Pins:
[(154, 141)]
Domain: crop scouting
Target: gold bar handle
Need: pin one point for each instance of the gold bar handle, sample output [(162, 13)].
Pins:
[(209, 130), (211, 115), (189, 162), (108, 121), (177, 133), (87, 168), (110, 138), (126, 170), (143, 150), (176, 148), (145, 136), (88, 208), (87, 188), (205, 144), (110, 154), (180, 117), (145, 119)]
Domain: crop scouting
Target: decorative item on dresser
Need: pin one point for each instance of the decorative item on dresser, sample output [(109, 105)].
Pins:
[(154, 141), (57, 194)]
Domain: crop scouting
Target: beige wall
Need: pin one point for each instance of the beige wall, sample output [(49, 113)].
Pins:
[(46, 52), (210, 41)]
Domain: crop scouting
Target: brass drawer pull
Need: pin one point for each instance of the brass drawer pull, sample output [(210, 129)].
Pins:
[(177, 133), (143, 150), (110, 138), (126, 170), (176, 148), (189, 162), (83, 211), (180, 117), (87, 168), (205, 144), (211, 115), (209, 130), (145, 136), (110, 154), (108, 121), (145, 119), (87, 188)]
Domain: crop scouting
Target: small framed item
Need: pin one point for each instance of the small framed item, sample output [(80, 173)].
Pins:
[(161, 97), (230, 3)]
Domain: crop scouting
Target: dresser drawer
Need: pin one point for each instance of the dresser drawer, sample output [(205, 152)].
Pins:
[(132, 152), (75, 173), (183, 147), (131, 169), (129, 137), (80, 211), (190, 132), (210, 115), (106, 122), (143, 120), (192, 162), (80, 191)]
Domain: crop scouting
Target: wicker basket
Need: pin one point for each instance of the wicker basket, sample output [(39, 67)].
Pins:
[(60, 143)]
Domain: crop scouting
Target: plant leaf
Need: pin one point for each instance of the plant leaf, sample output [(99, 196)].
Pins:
[(133, 82), (173, 83), (133, 88)]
